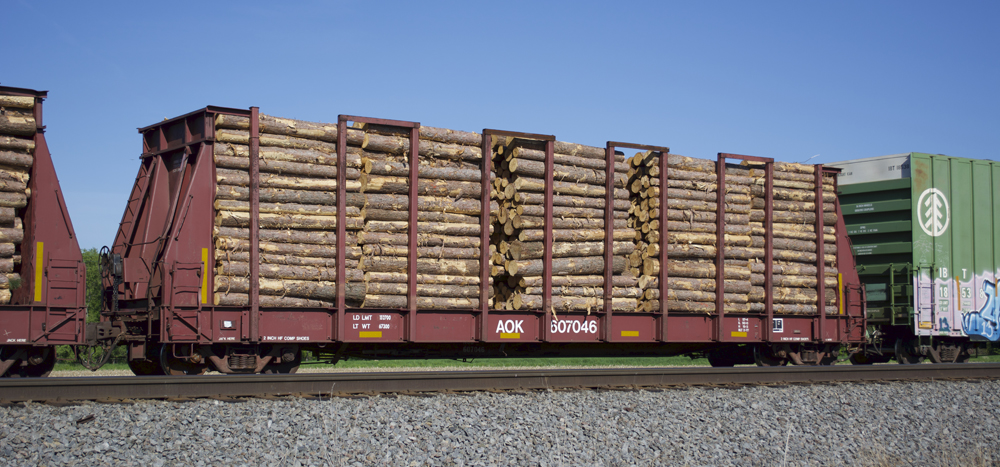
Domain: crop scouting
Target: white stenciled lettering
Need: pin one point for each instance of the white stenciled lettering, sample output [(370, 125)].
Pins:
[(565, 326), (510, 326)]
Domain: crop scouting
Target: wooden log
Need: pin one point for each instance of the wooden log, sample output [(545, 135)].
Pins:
[(285, 126), (788, 194), (562, 304), (286, 208), (571, 201), (799, 206), (525, 153), (241, 178), (402, 169), (697, 269), (425, 187), (14, 143), (6, 265), (779, 280), (7, 216), (282, 195), (565, 266), (791, 269), (442, 135), (795, 245), (302, 156), (705, 216), (577, 281), (428, 252), (16, 159), (287, 236), (227, 218), (401, 145), (535, 250), (597, 292), (424, 290), (7, 250), (425, 279), (285, 142), (353, 254), (400, 301), (689, 283), (433, 228), (423, 239), (424, 265), (283, 167), (567, 212), (288, 272), (391, 202), (242, 299), (522, 183), (565, 173), (564, 235), (422, 216), (805, 233), (229, 244), (317, 290), (674, 161), (11, 235), (698, 295), (790, 217), (17, 102), (17, 122), (531, 222), (801, 309)]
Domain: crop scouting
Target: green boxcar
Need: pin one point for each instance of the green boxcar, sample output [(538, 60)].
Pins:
[(925, 230)]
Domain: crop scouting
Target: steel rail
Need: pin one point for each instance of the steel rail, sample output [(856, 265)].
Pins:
[(229, 386)]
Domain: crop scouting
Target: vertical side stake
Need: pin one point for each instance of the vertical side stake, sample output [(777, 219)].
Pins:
[(768, 250), (547, 242), (720, 253), (341, 334), (609, 235), (411, 290), (664, 238), (484, 238), (820, 256), (254, 224)]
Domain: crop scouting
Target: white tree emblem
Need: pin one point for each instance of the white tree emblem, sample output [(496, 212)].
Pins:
[(933, 212)]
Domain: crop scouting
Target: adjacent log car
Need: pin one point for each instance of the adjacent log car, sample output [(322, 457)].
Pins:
[(42, 276), (249, 238)]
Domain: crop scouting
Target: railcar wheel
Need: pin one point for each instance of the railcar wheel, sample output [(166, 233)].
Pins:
[(145, 367), (905, 354), (861, 358), (43, 367), (763, 356), (288, 363), (174, 366), (717, 358)]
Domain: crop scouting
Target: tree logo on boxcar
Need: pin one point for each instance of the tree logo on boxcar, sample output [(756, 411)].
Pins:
[(933, 212)]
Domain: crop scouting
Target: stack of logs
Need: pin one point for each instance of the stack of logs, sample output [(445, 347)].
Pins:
[(448, 217), (692, 201), (578, 230), (298, 215), (17, 148)]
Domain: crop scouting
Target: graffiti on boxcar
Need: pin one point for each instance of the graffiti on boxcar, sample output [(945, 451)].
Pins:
[(985, 322)]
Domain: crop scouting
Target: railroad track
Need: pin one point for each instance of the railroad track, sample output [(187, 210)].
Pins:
[(121, 388)]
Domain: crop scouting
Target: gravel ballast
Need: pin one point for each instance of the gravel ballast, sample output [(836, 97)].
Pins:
[(927, 423)]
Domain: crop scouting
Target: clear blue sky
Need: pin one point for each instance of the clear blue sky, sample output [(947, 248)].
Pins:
[(786, 80)]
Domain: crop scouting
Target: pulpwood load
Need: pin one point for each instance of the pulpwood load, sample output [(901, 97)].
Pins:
[(17, 148), (298, 217), (692, 239)]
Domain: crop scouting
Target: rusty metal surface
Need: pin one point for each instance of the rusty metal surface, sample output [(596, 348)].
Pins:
[(161, 387)]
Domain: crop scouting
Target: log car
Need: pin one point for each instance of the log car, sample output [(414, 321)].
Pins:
[(42, 275), (247, 239)]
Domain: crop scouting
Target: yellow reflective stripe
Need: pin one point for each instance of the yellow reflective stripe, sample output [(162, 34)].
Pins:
[(39, 269), (371, 334), (204, 275), (840, 288), (630, 333), (510, 335)]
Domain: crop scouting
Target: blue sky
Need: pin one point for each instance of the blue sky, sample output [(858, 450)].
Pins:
[(787, 80)]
